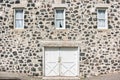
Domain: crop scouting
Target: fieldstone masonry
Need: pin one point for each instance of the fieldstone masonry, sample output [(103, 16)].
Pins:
[(21, 50)]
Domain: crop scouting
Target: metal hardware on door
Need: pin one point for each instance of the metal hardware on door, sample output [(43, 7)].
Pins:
[(59, 59)]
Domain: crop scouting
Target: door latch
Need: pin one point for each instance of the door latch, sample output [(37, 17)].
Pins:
[(59, 59)]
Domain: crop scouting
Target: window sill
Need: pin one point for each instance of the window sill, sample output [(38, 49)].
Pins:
[(103, 30), (60, 28), (18, 29)]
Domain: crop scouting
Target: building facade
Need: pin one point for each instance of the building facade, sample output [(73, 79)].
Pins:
[(78, 38)]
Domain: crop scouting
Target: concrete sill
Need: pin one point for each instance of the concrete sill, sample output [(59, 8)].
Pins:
[(8, 78), (61, 78)]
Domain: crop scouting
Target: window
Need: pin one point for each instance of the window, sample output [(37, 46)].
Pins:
[(60, 18), (19, 19), (102, 19)]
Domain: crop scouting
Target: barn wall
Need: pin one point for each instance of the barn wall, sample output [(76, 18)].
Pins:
[(21, 51)]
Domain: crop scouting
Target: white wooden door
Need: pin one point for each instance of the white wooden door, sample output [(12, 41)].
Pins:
[(69, 61), (61, 62), (51, 62)]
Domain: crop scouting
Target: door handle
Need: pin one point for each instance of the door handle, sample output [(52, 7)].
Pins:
[(59, 59)]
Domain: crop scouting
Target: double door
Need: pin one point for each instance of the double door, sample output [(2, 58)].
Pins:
[(61, 62)]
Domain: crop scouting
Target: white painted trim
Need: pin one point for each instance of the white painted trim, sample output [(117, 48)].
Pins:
[(106, 19), (63, 19), (78, 61), (15, 17), (43, 62)]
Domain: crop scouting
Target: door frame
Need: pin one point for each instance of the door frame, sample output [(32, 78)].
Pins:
[(43, 61)]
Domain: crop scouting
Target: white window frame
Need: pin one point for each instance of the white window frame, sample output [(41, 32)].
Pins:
[(106, 20), (16, 19), (63, 18)]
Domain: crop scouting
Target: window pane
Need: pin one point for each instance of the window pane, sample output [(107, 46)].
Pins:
[(59, 14), (19, 24), (101, 14), (101, 23), (59, 23), (19, 14)]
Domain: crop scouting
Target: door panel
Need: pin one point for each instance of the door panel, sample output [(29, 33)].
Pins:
[(51, 62), (69, 60), (61, 62)]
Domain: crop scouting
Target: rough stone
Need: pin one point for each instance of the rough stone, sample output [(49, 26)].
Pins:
[(99, 49)]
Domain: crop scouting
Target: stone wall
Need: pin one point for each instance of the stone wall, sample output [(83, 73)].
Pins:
[(21, 50)]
